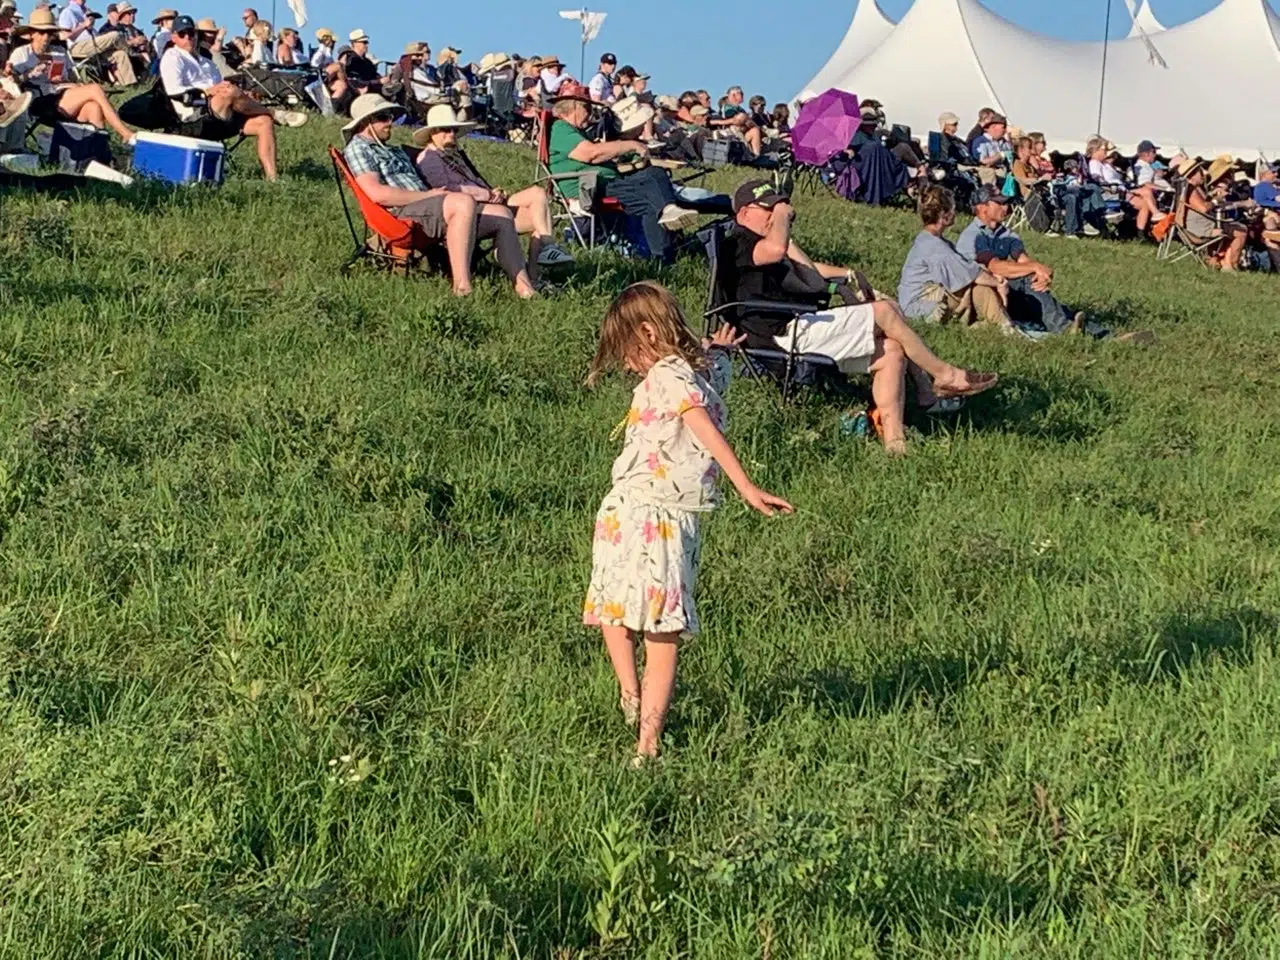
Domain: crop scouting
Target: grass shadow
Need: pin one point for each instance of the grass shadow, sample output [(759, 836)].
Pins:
[(837, 692), (309, 168), (1182, 643), (1056, 409)]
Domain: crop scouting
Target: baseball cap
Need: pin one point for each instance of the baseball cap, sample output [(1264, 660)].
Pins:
[(610, 59), (183, 23), (1147, 146), (759, 193), (989, 194), (994, 118)]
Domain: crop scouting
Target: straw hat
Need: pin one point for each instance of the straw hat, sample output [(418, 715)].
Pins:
[(324, 33), (41, 20), (440, 117), (364, 108), (206, 25), (356, 35), (1221, 166), (631, 113), (415, 48), (494, 61), (551, 61), (164, 15), (1187, 166), (126, 7)]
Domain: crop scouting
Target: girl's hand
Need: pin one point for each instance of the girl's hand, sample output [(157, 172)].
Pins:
[(725, 338), (764, 501)]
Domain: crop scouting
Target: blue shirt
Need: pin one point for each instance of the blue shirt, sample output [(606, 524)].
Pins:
[(1267, 195), (72, 16), (932, 260), (981, 244)]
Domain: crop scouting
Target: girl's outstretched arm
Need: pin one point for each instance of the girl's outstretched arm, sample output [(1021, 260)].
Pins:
[(699, 422)]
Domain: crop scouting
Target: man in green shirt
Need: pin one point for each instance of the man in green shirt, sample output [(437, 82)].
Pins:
[(646, 193)]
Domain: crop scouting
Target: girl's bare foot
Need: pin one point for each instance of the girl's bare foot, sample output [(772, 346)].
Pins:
[(630, 707)]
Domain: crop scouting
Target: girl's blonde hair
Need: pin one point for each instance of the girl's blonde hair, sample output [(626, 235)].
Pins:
[(621, 335)]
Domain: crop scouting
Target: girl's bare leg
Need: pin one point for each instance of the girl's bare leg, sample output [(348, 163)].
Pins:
[(622, 654), (888, 388), (660, 652)]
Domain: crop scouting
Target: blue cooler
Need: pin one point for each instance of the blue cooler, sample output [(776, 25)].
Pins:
[(164, 156)]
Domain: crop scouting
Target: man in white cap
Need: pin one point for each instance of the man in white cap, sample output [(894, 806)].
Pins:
[(388, 177), (362, 72), (76, 24), (212, 108)]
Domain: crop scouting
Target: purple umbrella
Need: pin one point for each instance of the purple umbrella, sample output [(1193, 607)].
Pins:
[(825, 126)]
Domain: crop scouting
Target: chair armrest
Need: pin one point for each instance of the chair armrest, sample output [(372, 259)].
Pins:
[(559, 177), (766, 306)]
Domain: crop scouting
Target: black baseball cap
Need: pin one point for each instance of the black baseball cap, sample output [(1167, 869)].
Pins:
[(183, 23), (627, 71), (758, 193), (1146, 146), (990, 194), (610, 59)]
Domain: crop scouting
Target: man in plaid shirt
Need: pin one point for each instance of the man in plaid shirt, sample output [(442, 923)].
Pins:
[(389, 178)]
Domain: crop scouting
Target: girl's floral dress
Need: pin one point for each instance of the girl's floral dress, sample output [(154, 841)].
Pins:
[(644, 562)]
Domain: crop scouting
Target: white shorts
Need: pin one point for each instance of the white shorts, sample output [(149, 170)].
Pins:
[(845, 334)]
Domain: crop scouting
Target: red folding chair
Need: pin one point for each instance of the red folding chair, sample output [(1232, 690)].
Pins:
[(569, 209), (388, 241)]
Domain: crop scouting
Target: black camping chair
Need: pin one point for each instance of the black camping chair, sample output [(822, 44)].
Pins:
[(787, 368)]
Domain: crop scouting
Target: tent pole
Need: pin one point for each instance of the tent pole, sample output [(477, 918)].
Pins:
[(1102, 80)]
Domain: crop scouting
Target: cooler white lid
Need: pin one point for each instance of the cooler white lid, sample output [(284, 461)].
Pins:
[(173, 140)]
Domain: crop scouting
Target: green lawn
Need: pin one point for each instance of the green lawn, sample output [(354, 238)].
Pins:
[(291, 569)]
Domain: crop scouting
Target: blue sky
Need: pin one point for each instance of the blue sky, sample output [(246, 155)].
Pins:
[(768, 47)]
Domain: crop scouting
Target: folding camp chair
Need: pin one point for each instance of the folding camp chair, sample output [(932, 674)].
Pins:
[(388, 241), (278, 86), (1177, 244), (564, 207), (787, 368)]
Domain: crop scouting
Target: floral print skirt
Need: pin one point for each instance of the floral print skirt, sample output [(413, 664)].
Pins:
[(644, 566)]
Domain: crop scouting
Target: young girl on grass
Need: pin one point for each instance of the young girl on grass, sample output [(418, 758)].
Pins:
[(648, 531)]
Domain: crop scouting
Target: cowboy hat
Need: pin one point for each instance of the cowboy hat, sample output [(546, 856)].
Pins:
[(364, 108), (355, 36), (41, 20), (324, 33), (165, 15), (1220, 167), (494, 61), (572, 91), (440, 117), (631, 113), (206, 25), (551, 61), (415, 48)]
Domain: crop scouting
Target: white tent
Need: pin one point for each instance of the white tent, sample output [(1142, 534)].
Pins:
[(1144, 21), (957, 55), (867, 30)]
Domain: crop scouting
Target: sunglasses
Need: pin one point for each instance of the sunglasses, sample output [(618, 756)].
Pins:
[(185, 33)]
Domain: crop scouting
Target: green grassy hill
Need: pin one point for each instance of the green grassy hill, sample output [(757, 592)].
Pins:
[(291, 570)]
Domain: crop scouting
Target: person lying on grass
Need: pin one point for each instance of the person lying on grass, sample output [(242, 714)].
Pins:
[(988, 243), (389, 178), (871, 337), (444, 165), (644, 562)]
